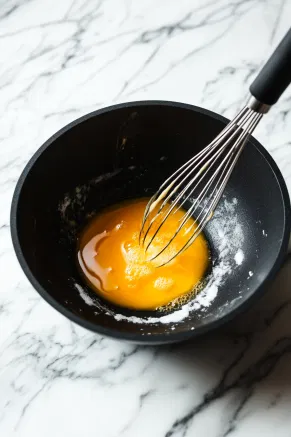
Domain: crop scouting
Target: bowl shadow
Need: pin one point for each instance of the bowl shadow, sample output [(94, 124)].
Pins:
[(246, 363)]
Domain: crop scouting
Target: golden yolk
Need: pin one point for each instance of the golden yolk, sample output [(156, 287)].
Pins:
[(117, 267)]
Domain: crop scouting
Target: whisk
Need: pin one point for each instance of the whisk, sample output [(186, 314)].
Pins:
[(203, 178)]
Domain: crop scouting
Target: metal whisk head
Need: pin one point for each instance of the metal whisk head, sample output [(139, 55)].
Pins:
[(201, 181)]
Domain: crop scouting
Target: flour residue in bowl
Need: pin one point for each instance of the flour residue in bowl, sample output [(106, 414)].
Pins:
[(225, 231)]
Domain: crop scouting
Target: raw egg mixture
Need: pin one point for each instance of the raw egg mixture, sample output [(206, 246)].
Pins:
[(119, 269)]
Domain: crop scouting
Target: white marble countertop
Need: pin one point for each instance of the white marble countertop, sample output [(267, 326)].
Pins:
[(59, 60)]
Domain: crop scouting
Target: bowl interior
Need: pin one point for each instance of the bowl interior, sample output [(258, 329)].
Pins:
[(126, 152)]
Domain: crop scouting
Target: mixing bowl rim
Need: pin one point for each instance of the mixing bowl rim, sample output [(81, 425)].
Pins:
[(169, 336)]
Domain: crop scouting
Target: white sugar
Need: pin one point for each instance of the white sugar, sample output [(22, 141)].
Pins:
[(228, 236), (239, 257), (84, 295)]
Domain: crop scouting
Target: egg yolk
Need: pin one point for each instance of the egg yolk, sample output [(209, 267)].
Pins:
[(119, 269)]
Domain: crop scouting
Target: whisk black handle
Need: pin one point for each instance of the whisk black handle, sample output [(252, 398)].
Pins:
[(275, 76)]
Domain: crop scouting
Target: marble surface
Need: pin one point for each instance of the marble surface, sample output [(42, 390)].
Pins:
[(59, 60)]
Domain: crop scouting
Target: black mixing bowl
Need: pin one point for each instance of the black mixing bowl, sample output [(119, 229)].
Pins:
[(125, 151)]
